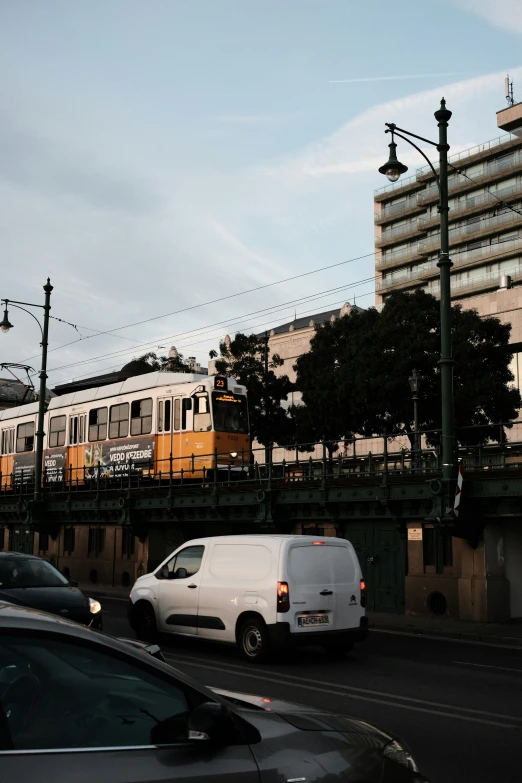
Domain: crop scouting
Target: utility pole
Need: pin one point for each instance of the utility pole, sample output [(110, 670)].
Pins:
[(268, 407)]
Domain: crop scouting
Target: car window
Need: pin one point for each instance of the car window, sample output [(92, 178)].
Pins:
[(60, 694), (189, 560), (26, 572)]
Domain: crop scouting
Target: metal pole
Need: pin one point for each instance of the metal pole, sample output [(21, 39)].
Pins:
[(446, 362), (268, 447), (416, 428), (41, 399)]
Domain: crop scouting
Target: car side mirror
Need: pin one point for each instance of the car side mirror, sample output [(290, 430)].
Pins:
[(210, 722), (73, 583)]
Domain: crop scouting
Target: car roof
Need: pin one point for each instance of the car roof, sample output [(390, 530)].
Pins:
[(20, 556)]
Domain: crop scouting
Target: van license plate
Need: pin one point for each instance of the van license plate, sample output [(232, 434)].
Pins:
[(313, 619)]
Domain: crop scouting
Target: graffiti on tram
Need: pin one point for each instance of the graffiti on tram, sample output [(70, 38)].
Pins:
[(116, 457)]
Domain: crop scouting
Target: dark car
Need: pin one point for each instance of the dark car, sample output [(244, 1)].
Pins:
[(27, 580), (78, 705)]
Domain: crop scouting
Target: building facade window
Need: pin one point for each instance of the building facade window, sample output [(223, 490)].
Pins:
[(141, 417), (43, 543), (128, 542), (119, 421), (69, 540), (97, 424), (96, 543), (437, 549), (57, 431)]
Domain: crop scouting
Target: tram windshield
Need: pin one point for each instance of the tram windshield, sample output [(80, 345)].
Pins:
[(230, 412)]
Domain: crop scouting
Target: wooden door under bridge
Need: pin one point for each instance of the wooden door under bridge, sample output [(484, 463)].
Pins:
[(382, 554)]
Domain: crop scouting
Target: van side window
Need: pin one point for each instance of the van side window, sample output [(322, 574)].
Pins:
[(25, 437), (183, 565)]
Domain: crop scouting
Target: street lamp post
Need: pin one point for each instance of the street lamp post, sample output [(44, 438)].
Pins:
[(415, 382), (393, 170), (5, 326)]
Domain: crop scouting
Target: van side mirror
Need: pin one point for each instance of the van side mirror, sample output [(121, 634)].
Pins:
[(210, 722)]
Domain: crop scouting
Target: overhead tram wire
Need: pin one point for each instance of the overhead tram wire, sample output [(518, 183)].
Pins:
[(204, 329), (112, 332), (399, 285), (224, 298), (189, 345)]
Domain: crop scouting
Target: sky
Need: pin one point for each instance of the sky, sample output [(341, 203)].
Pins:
[(161, 159)]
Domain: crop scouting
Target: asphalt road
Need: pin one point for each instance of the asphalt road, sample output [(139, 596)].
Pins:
[(458, 706)]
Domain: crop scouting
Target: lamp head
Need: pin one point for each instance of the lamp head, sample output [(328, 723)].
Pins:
[(393, 168), (415, 382), (5, 324)]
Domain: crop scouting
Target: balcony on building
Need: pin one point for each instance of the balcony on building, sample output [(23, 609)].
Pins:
[(427, 271), (396, 234)]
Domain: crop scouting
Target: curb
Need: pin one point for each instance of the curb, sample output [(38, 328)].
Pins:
[(463, 636)]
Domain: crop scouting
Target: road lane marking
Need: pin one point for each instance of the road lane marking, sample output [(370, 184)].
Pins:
[(434, 712), (349, 691), (434, 638), (238, 669), (488, 666)]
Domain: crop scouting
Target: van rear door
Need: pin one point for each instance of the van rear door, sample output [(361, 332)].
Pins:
[(324, 586)]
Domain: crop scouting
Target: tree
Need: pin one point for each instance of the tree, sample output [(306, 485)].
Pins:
[(247, 358), (172, 363), (356, 374)]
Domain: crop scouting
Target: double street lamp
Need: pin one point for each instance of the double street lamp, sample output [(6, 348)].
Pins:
[(5, 326), (415, 382), (393, 170)]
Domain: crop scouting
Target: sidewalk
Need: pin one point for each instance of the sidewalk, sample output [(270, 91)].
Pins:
[(509, 633)]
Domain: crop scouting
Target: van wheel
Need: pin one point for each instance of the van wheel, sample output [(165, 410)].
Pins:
[(254, 641), (337, 650), (145, 623)]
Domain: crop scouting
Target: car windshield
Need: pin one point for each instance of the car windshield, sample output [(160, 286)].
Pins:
[(25, 572), (230, 412)]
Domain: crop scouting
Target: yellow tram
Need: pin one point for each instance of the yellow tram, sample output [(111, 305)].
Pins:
[(146, 425)]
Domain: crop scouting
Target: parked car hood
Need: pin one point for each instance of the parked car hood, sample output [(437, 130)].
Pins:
[(307, 718), (50, 599)]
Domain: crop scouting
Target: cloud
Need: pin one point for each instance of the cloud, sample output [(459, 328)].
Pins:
[(245, 119), (130, 222), (506, 14), (393, 78)]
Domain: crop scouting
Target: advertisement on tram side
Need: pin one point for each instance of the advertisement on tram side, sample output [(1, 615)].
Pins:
[(116, 457)]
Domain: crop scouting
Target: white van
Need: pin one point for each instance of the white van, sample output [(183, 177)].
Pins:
[(261, 592)]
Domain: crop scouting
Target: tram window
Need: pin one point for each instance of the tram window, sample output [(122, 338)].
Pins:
[(160, 416), (97, 424), (57, 432), (177, 414), (25, 437), (202, 420), (186, 406), (141, 417), (119, 421), (77, 429), (168, 406), (8, 441)]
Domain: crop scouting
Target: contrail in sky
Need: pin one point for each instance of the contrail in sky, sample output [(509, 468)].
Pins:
[(392, 78)]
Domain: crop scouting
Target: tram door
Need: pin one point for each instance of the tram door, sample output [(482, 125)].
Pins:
[(169, 435)]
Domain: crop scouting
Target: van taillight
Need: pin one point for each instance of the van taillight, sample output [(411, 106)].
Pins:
[(363, 592), (283, 597)]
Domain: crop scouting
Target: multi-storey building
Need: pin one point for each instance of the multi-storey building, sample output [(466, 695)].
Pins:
[(485, 235)]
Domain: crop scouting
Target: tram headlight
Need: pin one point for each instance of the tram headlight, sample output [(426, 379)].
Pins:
[(233, 454)]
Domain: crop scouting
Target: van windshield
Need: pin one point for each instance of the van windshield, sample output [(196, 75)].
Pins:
[(230, 412)]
